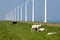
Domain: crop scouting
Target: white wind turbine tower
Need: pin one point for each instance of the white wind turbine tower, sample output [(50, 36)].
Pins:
[(18, 12), (15, 17), (45, 19), (21, 11), (32, 10), (26, 6)]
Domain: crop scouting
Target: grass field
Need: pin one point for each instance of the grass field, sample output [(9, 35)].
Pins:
[(22, 31)]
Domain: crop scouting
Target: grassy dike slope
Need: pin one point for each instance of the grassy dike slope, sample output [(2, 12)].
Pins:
[(22, 31)]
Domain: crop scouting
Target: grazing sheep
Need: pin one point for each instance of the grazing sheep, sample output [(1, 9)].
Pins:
[(51, 33), (41, 29), (14, 22), (35, 27)]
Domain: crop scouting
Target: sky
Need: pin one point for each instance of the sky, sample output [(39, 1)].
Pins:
[(53, 9)]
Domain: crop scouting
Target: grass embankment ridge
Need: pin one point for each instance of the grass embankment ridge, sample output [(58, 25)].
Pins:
[(22, 31)]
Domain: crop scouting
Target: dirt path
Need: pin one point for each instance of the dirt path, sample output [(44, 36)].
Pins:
[(49, 24)]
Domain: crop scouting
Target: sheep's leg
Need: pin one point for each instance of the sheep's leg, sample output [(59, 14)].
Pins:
[(37, 29), (32, 29)]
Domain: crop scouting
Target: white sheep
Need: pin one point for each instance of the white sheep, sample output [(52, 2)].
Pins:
[(41, 29), (51, 33), (35, 27)]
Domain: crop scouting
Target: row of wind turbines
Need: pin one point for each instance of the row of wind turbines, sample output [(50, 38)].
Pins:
[(26, 8)]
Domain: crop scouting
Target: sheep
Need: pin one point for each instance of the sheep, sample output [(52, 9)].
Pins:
[(41, 29), (14, 22), (35, 27), (51, 33)]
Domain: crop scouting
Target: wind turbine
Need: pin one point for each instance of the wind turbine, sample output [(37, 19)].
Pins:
[(21, 11), (26, 6), (15, 17), (32, 10), (18, 12), (45, 19)]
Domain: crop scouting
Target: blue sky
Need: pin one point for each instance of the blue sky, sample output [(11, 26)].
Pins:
[(53, 7)]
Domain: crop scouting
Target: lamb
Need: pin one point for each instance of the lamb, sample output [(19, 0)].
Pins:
[(51, 33), (35, 27), (41, 29)]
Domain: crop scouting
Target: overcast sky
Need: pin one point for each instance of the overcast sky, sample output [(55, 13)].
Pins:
[(53, 9)]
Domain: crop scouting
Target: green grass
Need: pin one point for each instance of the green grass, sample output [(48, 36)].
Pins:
[(22, 31)]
